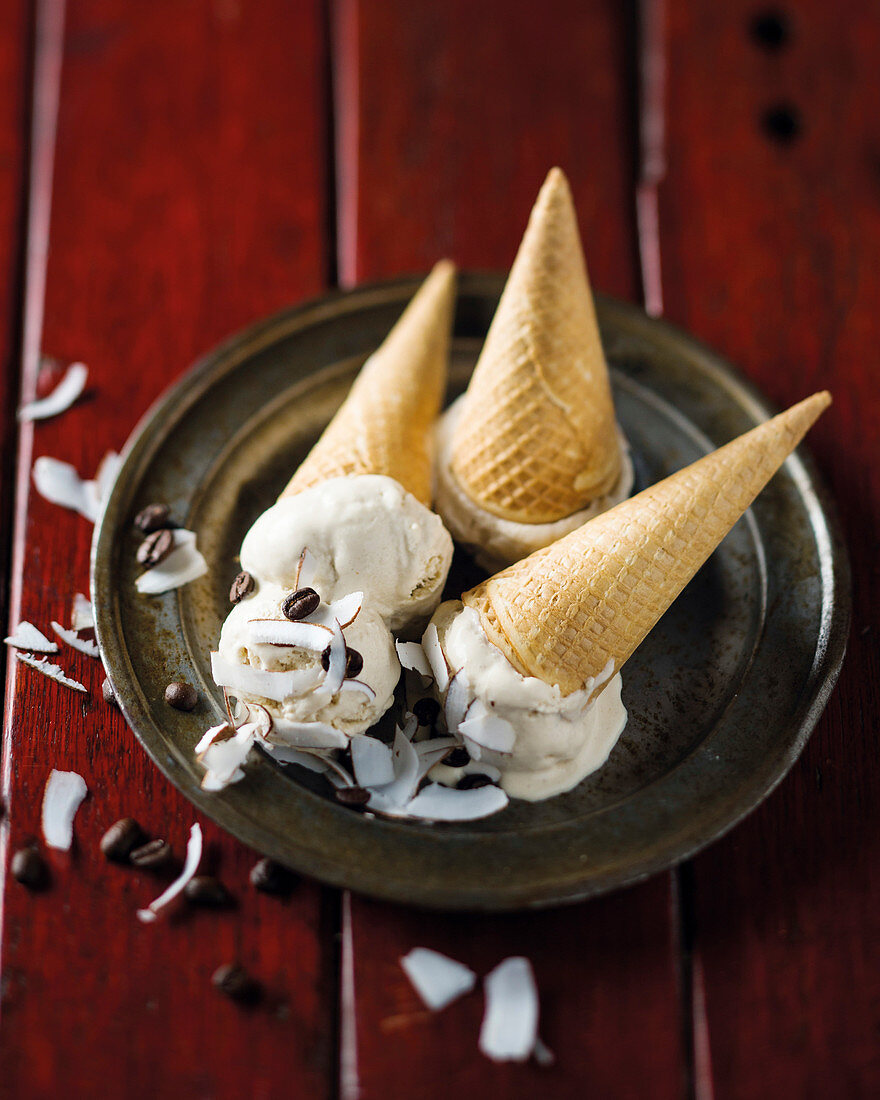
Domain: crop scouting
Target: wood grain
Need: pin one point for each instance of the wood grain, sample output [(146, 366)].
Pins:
[(450, 124), (188, 199), (769, 250)]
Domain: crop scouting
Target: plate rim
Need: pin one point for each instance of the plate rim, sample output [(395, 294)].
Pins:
[(204, 373)]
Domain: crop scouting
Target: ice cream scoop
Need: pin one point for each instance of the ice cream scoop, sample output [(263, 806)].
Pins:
[(555, 739), (567, 618), (364, 534), (533, 448)]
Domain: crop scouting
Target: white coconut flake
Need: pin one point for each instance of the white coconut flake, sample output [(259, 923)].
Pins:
[(26, 636), (372, 761), (61, 398), (184, 564), (285, 755), (83, 645), (59, 483), (489, 730), (412, 656), (392, 797), (432, 752), (223, 760), (61, 799), (510, 1023), (98, 489), (54, 672), (436, 658), (436, 978), (336, 667), (347, 608), (210, 736), (314, 637), (458, 699), (190, 866), (83, 613), (276, 686), (438, 803), (307, 570)]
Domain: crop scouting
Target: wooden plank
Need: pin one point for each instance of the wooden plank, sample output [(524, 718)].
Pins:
[(770, 231), (189, 199), (449, 127)]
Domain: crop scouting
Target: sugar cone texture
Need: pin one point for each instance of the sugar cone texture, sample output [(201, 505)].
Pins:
[(385, 425), (592, 597), (536, 438)]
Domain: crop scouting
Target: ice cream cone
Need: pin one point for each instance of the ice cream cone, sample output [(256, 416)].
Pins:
[(565, 612), (385, 425), (536, 438)]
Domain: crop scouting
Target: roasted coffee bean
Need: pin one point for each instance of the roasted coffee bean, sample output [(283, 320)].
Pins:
[(29, 868), (242, 586), (272, 877), (152, 855), (352, 796), (458, 758), (426, 711), (471, 782), (354, 663), (325, 659), (235, 982), (181, 696), (152, 518), (107, 692), (121, 839), (155, 548), (208, 891), (300, 604)]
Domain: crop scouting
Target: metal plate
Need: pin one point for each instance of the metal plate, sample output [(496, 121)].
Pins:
[(721, 697)]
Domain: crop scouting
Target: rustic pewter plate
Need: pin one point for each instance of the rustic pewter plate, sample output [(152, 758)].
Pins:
[(721, 697)]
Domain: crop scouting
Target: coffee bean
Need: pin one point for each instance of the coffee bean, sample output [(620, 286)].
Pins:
[(300, 604), (181, 696), (272, 877), (354, 663), (471, 782), (242, 586), (152, 518), (152, 855), (458, 758), (352, 796), (107, 692), (208, 891), (426, 711), (325, 659), (155, 548), (29, 868), (234, 982), (120, 839)]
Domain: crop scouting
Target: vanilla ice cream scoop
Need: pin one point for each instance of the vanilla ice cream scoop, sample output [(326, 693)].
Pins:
[(494, 540), (376, 559), (364, 534), (546, 742)]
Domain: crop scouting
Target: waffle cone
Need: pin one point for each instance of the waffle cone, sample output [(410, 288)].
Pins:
[(536, 439), (591, 598), (385, 424)]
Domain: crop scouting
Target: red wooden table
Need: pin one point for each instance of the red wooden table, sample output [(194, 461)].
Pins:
[(171, 171)]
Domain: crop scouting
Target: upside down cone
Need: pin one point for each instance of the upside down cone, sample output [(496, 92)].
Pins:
[(385, 425), (590, 598)]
